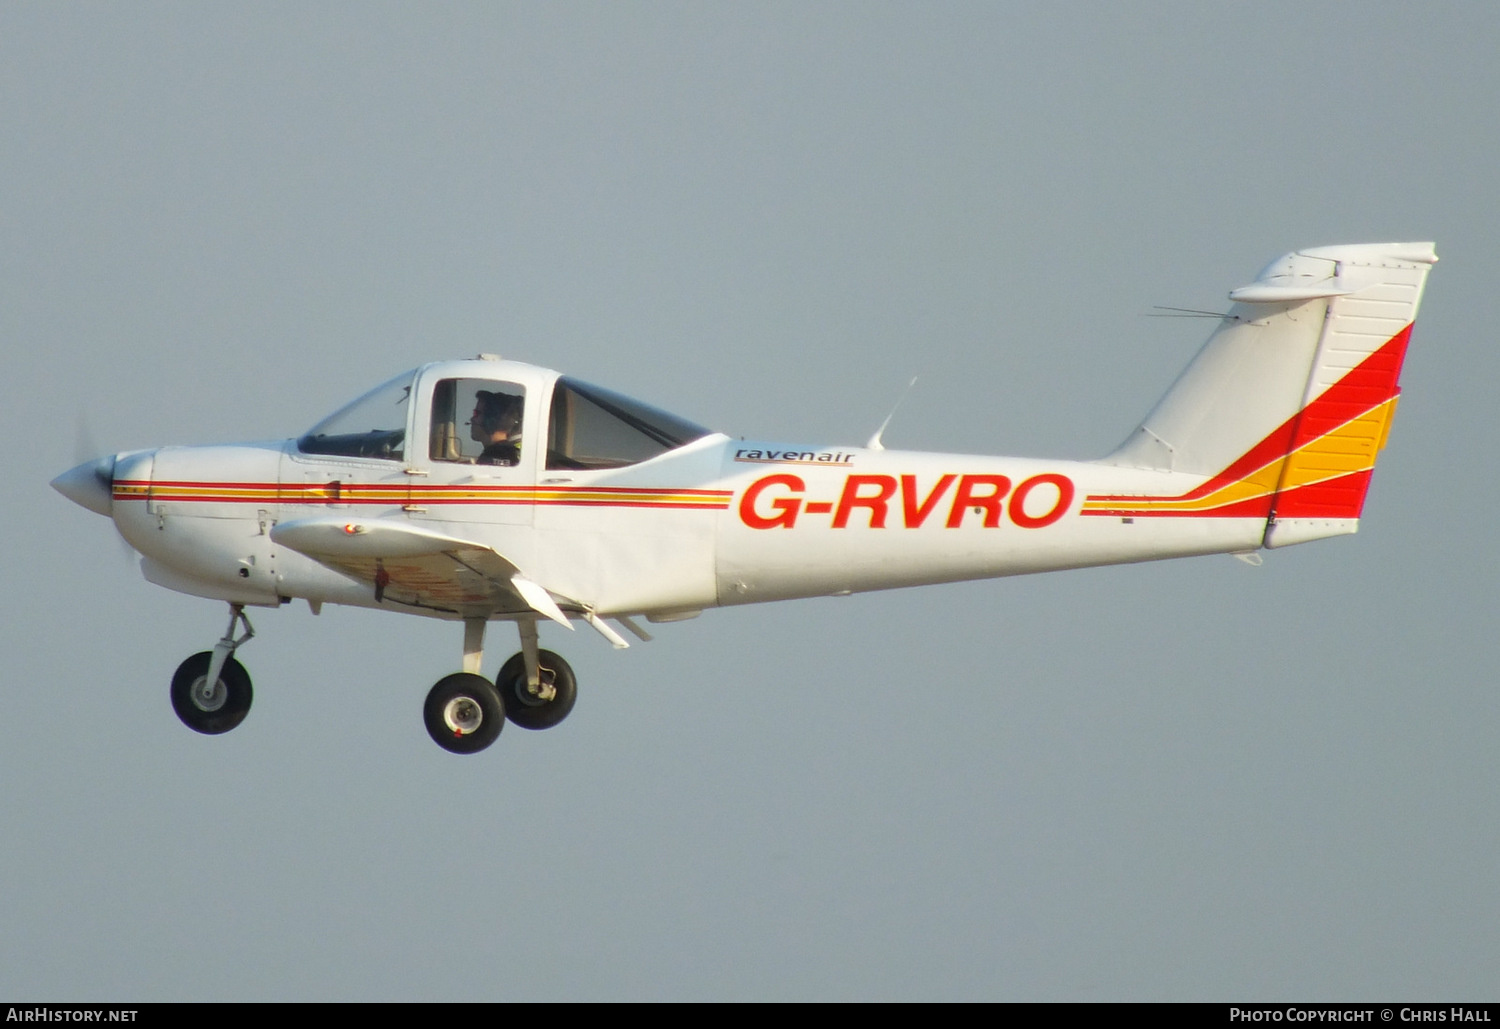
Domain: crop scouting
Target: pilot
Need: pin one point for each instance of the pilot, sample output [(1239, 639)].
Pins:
[(497, 424)]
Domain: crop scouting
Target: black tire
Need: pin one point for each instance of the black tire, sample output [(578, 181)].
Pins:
[(215, 711), (464, 713), (525, 708)]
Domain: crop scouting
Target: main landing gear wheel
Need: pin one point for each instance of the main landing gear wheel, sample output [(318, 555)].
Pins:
[(464, 713), (553, 698), (211, 709)]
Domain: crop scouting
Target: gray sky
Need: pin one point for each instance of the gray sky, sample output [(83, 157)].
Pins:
[(1192, 780)]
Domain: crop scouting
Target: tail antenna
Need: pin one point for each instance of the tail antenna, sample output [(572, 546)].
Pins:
[(1190, 312)]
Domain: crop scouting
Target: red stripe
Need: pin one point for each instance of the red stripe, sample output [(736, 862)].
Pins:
[(401, 487), (208, 498), (1343, 497), (623, 489), (685, 505)]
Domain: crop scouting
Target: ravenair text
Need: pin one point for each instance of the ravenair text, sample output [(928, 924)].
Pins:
[(772, 456), (902, 501)]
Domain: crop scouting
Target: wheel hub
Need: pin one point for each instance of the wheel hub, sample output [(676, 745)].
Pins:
[(463, 715), (536, 695), (208, 698)]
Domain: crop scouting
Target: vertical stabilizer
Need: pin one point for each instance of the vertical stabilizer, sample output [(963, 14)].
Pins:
[(1288, 404)]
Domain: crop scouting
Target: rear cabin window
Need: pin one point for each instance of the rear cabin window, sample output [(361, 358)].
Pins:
[(589, 427)]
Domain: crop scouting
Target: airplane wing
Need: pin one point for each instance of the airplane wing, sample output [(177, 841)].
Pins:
[(410, 565)]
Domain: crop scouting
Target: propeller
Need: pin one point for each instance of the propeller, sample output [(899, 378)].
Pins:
[(91, 483)]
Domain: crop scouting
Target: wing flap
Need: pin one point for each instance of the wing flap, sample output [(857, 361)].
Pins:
[(416, 566)]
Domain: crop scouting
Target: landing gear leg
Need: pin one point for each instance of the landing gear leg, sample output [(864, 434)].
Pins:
[(473, 644), (531, 661), (211, 691)]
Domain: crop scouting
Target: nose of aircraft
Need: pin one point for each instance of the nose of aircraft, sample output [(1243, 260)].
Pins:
[(90, 485)]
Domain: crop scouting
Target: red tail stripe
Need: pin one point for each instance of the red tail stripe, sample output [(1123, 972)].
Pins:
[(1343, 497)]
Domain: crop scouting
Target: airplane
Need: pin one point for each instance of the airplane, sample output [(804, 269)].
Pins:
[(490, 490)]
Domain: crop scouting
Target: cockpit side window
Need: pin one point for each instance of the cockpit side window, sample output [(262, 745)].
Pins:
[(477, 421), (590, 427), (372, 426)]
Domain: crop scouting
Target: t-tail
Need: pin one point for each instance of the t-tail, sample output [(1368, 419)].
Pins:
[(1289, 403)]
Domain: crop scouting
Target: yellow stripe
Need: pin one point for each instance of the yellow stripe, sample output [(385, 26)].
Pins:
[(1258, 483), (208, 493), (1350, 448), (1344, 450)]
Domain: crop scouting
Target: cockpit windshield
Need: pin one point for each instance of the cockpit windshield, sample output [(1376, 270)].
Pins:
[(591, 427), (372, 426)]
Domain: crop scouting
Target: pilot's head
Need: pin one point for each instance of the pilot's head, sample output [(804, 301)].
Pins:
[(497, 416)]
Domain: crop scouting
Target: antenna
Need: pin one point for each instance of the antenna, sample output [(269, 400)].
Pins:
[(874, 443), (1188, 312)]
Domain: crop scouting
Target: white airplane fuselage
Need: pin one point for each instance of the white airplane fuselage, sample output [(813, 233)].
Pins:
[(717, 523), (556, 499)]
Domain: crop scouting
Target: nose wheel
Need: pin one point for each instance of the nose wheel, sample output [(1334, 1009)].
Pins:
[(211, 690), (211, 707)]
